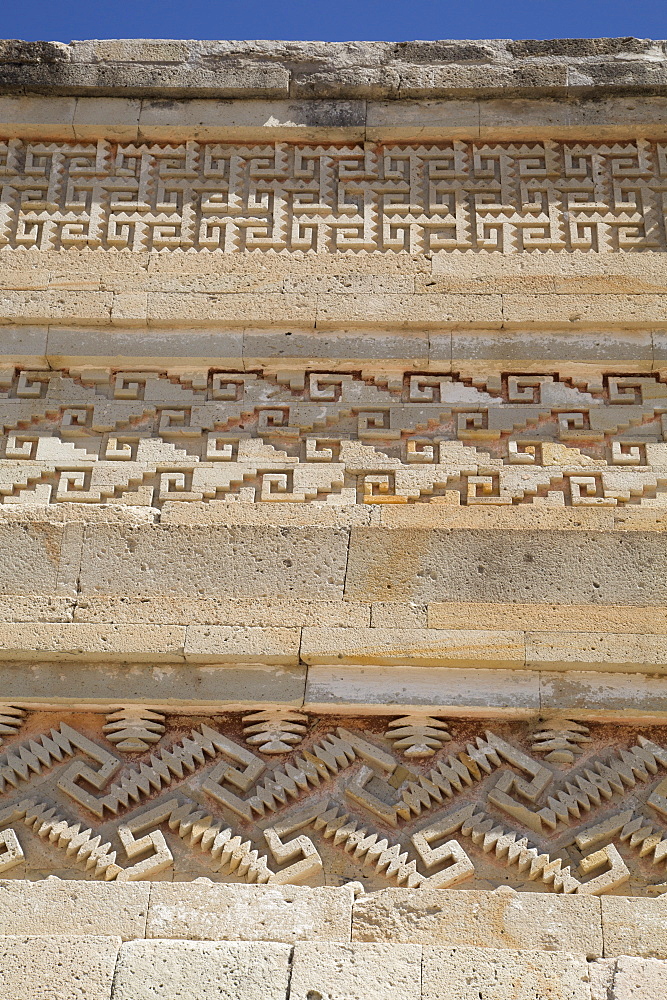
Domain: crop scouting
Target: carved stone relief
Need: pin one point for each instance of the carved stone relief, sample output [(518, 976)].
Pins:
[(282, 797), (143, 438), (216, 197)]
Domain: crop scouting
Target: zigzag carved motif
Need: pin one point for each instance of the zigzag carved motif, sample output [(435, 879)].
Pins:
[(342, 804)]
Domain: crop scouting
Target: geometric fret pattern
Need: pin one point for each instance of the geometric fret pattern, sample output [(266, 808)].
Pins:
[(343, 801), (218, 197), (143, 438)]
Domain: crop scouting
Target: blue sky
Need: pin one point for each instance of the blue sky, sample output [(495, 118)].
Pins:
[(331, 20)]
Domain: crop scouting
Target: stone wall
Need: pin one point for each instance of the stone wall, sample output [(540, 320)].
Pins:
[(333, 482)]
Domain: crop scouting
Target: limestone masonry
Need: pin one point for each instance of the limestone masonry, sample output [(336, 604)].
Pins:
[(333, 520)]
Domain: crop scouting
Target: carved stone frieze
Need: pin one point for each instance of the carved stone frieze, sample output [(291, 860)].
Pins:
[(345, 800), (216, 197), (143, 438)]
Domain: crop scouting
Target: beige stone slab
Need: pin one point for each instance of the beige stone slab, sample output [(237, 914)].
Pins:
[(130, 349), (205, 611), (507, 518), (238, 562), (115, 118), (495, 693), (262, 514), (425, 647), (530, 350), (407, 121), (409, 311), (241, 644), (30, 558), (57, 968), (207, 970), (173, 687), (639, 979), (56, 307), (194, 309), (338, 349), (634, 926), (576, 265), (37, 117), (23, 345), (253, 121), (585, 311), (548, 617), (497, 974), (545, 566), (482, 919), (344, 971), (214, 911), (633, 697), (597, 650), (21, 608), (74, 907), (76, 640), (390, 614)]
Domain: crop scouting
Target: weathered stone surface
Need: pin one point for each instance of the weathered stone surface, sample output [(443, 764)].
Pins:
[(639, 979), (494, 974), (634, 926), (500, 919), (46, 968), (249, 913), (162, 970), (344, 971), (72, 907), (441, 565)]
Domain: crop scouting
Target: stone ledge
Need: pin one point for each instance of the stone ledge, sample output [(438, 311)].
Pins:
[(340, 70)]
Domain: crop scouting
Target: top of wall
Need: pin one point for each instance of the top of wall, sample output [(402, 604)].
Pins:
[(330, 70)]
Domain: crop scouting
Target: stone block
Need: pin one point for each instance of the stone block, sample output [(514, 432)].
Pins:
[(504, 565), (30, 558), (57, 968), (166, 685), (378, 689), (213, 911), (547, 617), (239, 562), (207, 970), (530, 351), (500, 919), (117, 118), (596, 650), (73, 907), (33, 116), (336, 348), (420, 646), (125, 348), (634, 925), (348, 971), (639, 979), (72, 640), (406, 121), (237, 643), (494, 974), (593, 694), (403, 311)]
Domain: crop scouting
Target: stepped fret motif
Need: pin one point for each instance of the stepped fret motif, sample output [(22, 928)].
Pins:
[(371, 198), (144, 439)]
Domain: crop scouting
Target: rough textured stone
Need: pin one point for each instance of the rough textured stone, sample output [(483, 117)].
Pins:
[(53, 907), (633, 926), (249, 913), (344, 971), (500, 919), (58, 967), (492, 974), (179, 970)]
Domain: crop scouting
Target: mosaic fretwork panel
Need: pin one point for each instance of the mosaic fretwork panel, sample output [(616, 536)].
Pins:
[(281, 797), (533, 196), (143, 438)]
